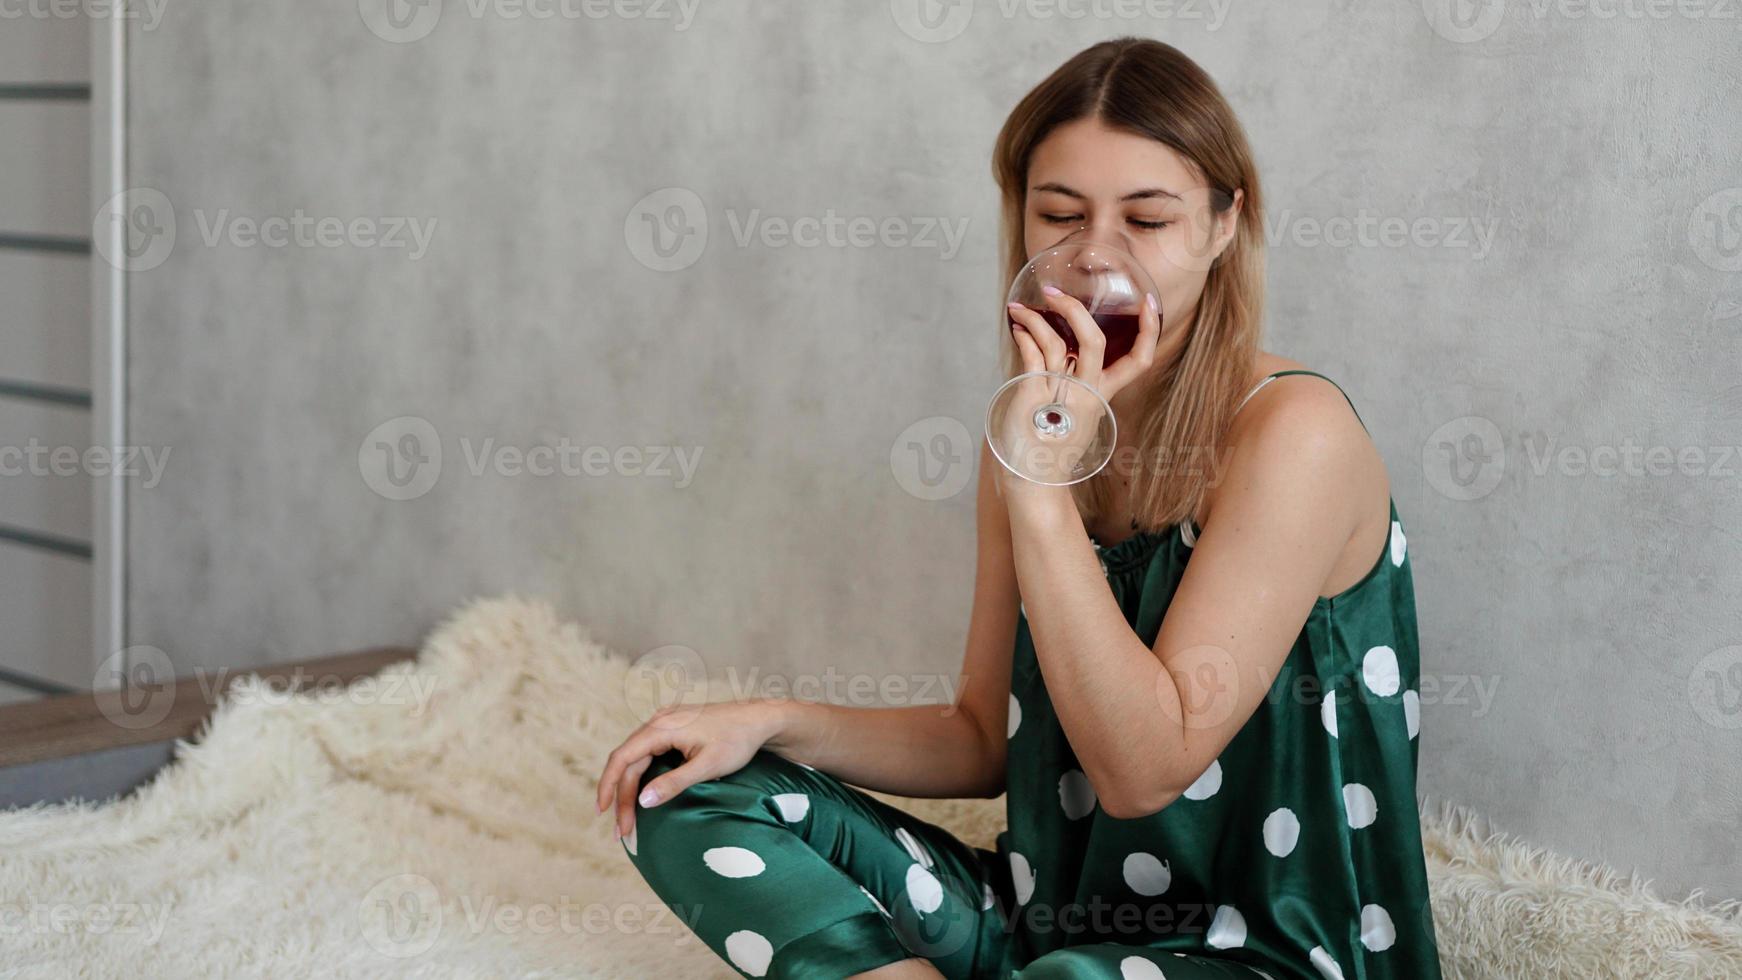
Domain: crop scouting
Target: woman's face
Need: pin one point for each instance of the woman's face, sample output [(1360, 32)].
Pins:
[(1084, 173)]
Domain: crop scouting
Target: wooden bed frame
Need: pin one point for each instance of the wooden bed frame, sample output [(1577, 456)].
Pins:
[(97, 745)]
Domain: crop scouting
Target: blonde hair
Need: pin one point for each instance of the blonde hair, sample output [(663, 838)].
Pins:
[(1151, 89)]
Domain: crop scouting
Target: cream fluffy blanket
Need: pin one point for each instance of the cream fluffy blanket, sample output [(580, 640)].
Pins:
[(436, 821)]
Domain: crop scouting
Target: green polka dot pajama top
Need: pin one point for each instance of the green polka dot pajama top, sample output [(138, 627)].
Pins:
[(1296, 854)]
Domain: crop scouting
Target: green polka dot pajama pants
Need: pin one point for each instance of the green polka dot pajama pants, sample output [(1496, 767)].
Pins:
[(786, 872)]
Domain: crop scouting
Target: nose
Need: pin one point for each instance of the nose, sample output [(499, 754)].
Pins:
[(1107, 231)]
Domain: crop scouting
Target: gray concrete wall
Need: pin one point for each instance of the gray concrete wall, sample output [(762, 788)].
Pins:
[(1513, 237)]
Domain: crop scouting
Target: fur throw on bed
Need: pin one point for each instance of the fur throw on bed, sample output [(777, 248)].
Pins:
[(436, 820)]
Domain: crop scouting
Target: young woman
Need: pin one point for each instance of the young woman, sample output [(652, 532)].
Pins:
[(1193, 675)]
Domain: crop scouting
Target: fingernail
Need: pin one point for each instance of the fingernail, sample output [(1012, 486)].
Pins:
[(1152, 304), (649, 796), (1013, 306), (1051, 290)]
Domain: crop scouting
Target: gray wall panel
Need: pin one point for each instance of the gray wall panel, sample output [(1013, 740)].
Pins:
[(1567, 278)]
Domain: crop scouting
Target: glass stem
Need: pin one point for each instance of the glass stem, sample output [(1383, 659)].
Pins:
[(1058, 393)]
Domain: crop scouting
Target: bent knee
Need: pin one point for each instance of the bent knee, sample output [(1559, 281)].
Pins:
[(1072, 963)]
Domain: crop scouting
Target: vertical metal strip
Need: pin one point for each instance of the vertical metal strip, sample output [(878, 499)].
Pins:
[(108, 341)]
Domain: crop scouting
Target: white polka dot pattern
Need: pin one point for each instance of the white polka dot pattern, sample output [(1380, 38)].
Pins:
[(733, 862), (1227, 929), (749, 951), (1281, 832), (1207, 784), (1360, 806)]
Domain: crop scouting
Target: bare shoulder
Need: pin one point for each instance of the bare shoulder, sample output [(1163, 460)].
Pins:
[(1300, 427)]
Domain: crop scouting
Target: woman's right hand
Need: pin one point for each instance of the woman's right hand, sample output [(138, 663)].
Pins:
[(716, 739)]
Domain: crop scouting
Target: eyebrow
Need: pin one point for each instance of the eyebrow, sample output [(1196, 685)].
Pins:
[(1147, 192)]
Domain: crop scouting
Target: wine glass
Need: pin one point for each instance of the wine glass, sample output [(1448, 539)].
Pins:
[(1050, 427)]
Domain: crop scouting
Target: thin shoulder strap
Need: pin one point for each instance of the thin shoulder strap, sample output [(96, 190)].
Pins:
[(1277, 374)]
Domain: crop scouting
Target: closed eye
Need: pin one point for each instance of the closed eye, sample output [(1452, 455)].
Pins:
[(1067, 219)]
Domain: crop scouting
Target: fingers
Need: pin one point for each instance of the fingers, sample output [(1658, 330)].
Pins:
[(614, 763), (1148, 329), (626, 794), (1027, 350), (663, 787), (1091, 342), (1052, 346), (1142, 355), (674, 781), (607, 789), (648, 740)]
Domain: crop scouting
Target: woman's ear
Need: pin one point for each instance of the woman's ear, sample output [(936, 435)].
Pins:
[(1228, 222)]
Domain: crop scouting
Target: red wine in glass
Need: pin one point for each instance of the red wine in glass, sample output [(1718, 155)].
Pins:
[(1050, 427), (1120, 330)]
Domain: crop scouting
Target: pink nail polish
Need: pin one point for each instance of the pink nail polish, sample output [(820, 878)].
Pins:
[(1051, 290), (649, 796)]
